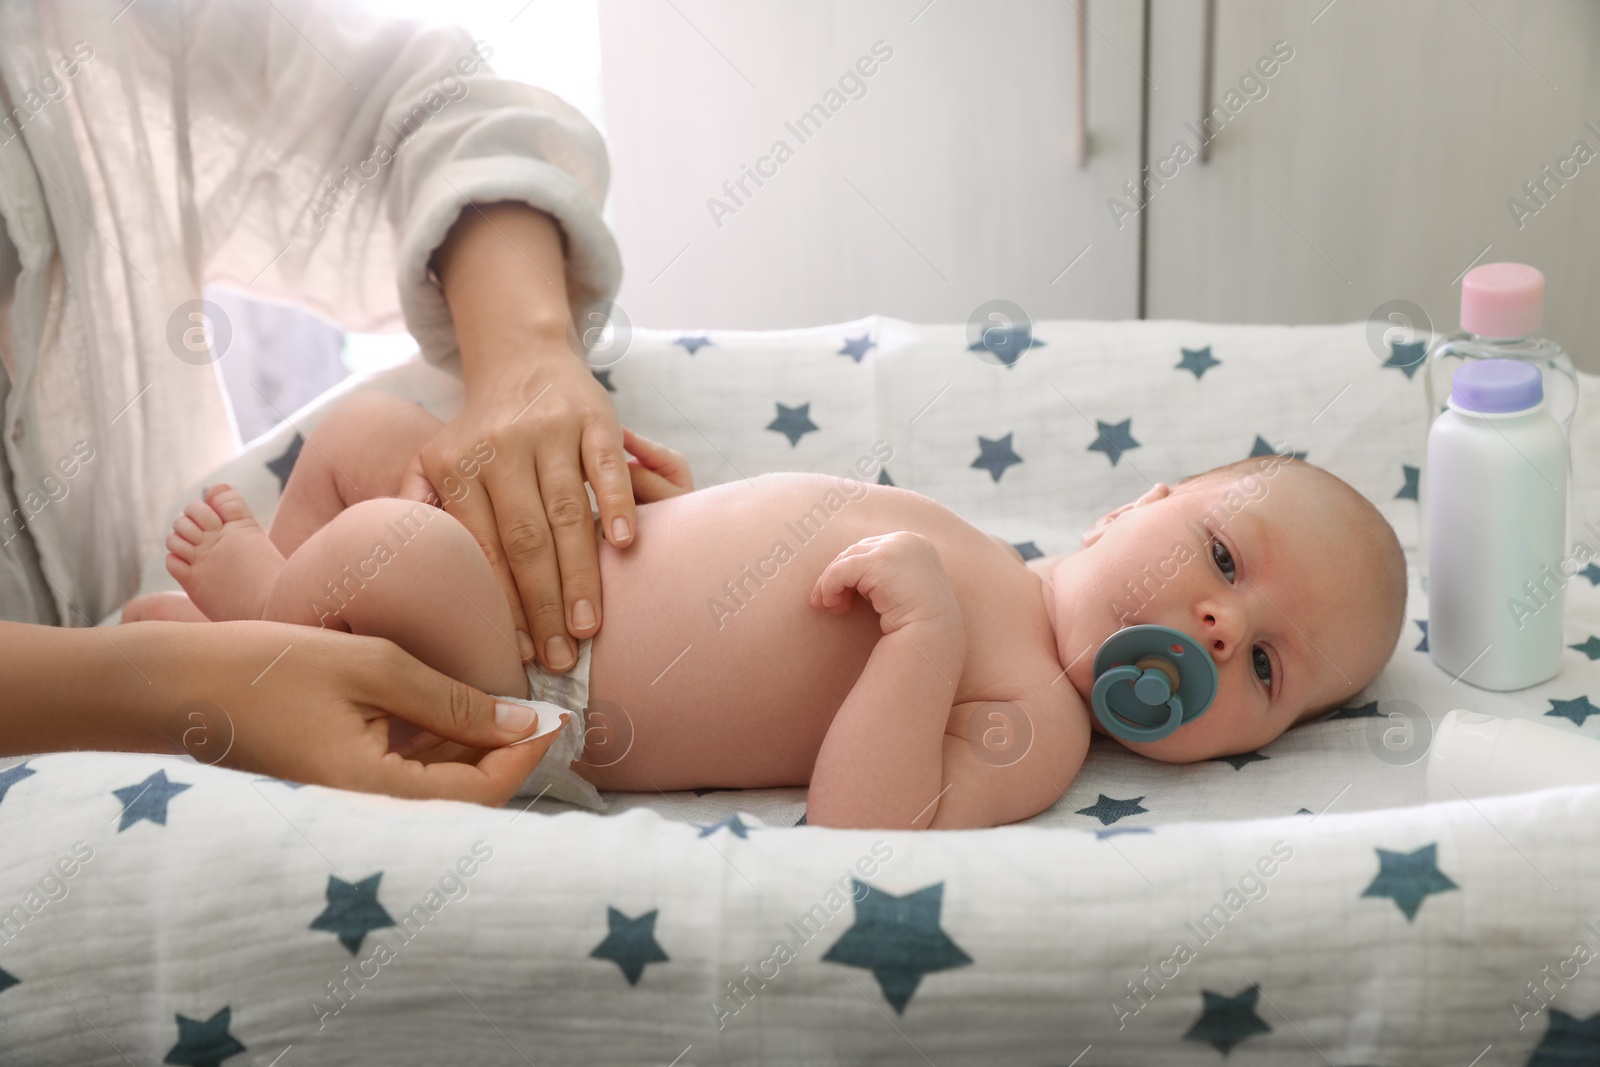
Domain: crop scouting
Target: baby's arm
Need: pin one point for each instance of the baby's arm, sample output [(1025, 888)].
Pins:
[(881, 764), (887, 760)]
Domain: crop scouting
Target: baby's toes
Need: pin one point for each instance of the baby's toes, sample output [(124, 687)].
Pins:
[(190, 530), (178, 567), (228, 502), (202, 515), (184, 549)]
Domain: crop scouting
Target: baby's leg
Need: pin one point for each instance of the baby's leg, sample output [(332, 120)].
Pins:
[(388, 568), (358, 451), (413, 574)]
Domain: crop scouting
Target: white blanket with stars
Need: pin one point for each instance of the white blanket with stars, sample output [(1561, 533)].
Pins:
[(1299, 905)]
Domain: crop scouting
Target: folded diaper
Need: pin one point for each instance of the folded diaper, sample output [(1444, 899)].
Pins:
[(552, 696)]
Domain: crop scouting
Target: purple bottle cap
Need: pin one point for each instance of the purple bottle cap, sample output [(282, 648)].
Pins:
[(1496, 386)]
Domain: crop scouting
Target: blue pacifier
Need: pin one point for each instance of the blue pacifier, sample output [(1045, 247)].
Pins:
[(1150, 680)]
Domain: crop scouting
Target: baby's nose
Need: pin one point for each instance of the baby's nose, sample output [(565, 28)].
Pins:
[(1221, 630)]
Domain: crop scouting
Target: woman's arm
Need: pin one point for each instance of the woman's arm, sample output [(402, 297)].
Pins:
[(532, 396), (293, 702), (342, 154)]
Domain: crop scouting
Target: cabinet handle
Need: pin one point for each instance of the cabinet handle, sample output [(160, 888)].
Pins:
[(1207, 61), (1081, 149)]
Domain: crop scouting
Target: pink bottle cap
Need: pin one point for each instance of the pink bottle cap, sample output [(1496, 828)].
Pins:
[(1502, 300)]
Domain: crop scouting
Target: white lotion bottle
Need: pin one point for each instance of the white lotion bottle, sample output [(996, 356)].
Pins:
[(1496, 516), (1476, 755)]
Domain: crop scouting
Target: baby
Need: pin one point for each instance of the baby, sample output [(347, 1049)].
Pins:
[(810, 630)]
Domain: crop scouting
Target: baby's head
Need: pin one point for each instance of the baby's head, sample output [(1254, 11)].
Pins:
[(1289, 577)]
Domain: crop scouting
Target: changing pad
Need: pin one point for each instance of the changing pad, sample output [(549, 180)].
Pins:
[(1296, 905)]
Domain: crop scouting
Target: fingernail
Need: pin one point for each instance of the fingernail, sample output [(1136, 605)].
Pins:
[(513, 718), (524, 645), (557, 652), (619, 530), (582, 615)]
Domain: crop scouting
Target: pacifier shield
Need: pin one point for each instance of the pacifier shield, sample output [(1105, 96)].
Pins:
[(1150, 680)]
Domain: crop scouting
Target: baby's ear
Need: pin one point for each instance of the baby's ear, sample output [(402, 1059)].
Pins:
[(1151, 495)]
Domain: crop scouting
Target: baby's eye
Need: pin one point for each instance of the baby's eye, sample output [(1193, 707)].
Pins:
[(1263, 665), (1223, 558)]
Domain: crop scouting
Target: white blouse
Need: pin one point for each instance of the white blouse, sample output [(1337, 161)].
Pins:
[(304, 150)]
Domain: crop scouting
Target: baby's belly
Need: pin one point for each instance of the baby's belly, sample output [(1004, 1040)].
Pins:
[(711, 668)]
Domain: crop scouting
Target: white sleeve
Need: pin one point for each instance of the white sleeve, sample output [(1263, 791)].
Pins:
[(332, 150)]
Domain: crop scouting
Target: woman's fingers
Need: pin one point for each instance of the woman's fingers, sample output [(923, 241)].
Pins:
[(576, 596), (520, 498), (648, 486), (607, 468), (474, 509), (409, 689), (414, 483), (665, 461), (492, 781)]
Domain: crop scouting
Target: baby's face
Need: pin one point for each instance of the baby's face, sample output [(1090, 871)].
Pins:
[(1262, 572)]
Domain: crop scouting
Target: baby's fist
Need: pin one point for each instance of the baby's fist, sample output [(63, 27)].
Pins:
[(899, 573)]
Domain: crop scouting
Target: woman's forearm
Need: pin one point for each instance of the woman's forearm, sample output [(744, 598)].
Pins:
[(85, 688), (504, 275)]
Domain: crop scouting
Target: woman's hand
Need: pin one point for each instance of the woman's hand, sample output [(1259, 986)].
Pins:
[(533, 405), (511, 467), (293, 702), (658, 472)]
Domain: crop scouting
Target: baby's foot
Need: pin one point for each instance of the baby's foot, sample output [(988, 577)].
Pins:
[(222, 557), (165, 606)]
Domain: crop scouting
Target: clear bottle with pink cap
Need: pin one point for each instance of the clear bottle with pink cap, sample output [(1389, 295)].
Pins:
[(1502, 308)]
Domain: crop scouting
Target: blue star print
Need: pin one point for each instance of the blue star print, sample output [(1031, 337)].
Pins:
[(1240, 760), (898, 939), (1590, 648), (1197, 360), (995, 456), (883, 477), (1406, 357), (353, 911), (692, 345), (1423, 647), (1409, 490), (1113, 439), (147, 800), (1006, 343), (604, 378), (1226, 1021), (1577, 710), (1569, 1040), (732, 824), (1592, 572), (204, 1044), (1369, 710), (1261, 448), (7, 980), (856, 347), (793, 422), (1408, 878), (631, 943), (1027, 550), (1109, 811), (284, 464), (17, 772)]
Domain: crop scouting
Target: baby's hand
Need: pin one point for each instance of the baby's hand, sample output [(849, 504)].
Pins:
[(658, 472), (900, 574)]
